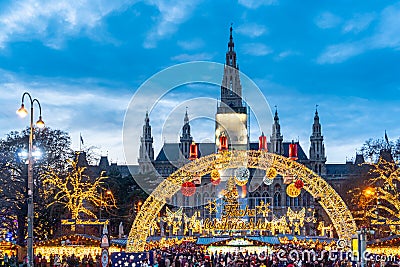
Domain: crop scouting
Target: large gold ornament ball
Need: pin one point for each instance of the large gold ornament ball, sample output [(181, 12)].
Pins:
[(292, 190), (271, 173), (240, 182), (215, 175)]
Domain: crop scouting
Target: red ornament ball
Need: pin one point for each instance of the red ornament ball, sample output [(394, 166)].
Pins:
[(216, 181), (299, 184), (188, 189)]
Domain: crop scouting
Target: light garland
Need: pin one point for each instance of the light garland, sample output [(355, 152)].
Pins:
[(271, 173), (330, 201)]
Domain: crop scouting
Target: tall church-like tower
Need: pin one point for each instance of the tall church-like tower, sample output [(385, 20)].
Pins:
[(317, 148), (186, 138), (276, 137), (146, 151), (231, 117)]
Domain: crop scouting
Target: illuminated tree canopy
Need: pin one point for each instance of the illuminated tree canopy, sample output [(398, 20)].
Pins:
[(378, 202), (54, 146), (77, 191)]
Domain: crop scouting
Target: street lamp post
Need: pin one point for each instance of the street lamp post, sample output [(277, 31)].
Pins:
[(22, 112)]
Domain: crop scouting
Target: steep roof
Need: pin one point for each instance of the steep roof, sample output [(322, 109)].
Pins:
[(170, 151)]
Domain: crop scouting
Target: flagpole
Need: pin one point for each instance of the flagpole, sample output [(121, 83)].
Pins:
[(80, 142)]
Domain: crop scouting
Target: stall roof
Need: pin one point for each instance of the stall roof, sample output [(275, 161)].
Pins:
[(382, 241)]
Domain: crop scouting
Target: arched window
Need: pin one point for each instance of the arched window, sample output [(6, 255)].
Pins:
[(251, 201), (288, 201), (256, 198), (186, 201), (277, 199), (305, 200), (296, 201), (277, 187), (197, 199)]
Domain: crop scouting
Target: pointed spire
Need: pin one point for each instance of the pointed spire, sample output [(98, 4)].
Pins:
[(231, 54), (146, 150), (276, 117), (231, 43), (186, 129), (316, 117), (186, 119), (316, 126), (186, 139)]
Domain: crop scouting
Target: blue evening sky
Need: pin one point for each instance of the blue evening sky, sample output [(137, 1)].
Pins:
[(84, 60)]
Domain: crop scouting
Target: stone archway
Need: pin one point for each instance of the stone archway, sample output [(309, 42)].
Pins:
[(330, 201)]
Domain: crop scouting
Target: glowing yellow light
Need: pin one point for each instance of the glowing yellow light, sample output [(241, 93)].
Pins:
[(22, 112), (40, 123)]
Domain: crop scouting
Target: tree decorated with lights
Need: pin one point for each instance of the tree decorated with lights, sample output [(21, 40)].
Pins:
[(54, 148), (77, 191), (378, 201)]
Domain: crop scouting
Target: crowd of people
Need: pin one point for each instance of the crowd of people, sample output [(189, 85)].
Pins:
[(189, 255), (192, 255), (67, 261)]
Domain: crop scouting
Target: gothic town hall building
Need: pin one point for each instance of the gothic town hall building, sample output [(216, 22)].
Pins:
[(174, 155)]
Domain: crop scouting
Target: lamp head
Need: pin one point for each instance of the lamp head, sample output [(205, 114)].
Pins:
[(22, 112), (40, 123)]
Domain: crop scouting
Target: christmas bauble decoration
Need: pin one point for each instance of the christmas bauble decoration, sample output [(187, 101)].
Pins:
[(267, 181), (215, 175), (242, 175), (216, 182), (271, 173), (292, 191), (299, 184), (188, 189), (240, 182)]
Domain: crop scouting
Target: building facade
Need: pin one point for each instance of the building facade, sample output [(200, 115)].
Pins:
[(231, 120)]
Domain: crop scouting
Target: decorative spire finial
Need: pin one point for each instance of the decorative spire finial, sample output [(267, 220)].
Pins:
[(230, 44), (276, 113), (186, 116)]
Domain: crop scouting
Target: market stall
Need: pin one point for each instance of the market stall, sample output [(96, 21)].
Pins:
[(78, 244)]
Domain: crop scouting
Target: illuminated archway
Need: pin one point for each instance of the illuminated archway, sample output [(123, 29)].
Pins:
[(330, 201)]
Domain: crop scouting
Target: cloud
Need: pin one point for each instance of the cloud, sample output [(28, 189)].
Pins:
[(172, 14), (388, 31), (358, 23), (252, 30), (52, 22), (81, 105), (285, 54), (386, 35), (191, 44), (327, 20), (341, 118), (341, 52), (253, 4), (192, 57), (256, 49)]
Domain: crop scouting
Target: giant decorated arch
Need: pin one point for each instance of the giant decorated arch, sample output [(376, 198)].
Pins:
[(330, 201)]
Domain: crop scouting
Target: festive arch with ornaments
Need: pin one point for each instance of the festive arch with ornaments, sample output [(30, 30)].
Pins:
[(273, 164)]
